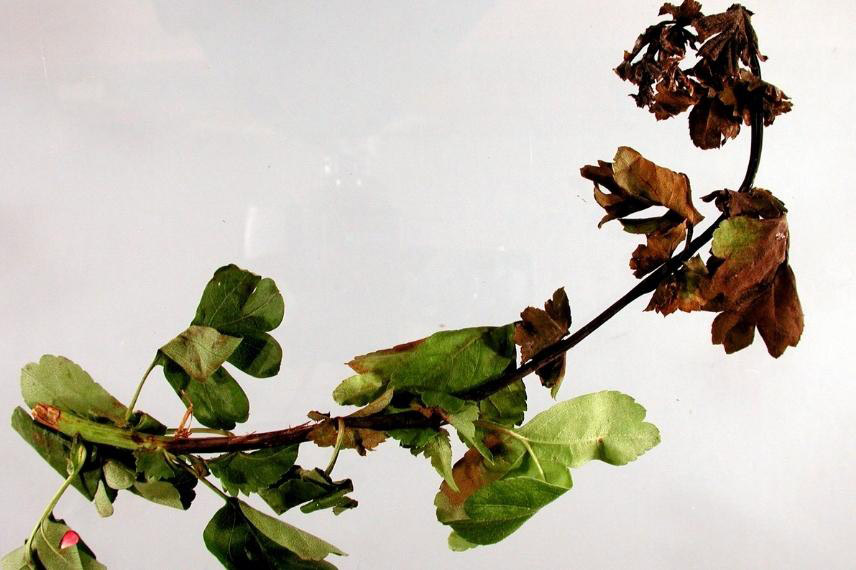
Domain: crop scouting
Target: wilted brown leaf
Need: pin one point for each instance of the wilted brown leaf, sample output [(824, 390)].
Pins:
[(663, 235), (728, 39), (757, 202), (325, 434), (682, 291), (541, 328)]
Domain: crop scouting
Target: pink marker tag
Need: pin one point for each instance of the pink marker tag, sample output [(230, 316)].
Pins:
[(69, 539)]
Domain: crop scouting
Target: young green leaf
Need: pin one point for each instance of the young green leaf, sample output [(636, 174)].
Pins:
[(153, 464), (434, 445), (49, 554), (530, 464), (252, 472), (243, 538)]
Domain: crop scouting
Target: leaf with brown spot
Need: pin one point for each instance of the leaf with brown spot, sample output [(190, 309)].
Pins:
[(325, 434), (541, 328)]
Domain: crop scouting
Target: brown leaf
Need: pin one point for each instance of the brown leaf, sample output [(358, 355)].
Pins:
[(712, 122), (729, 39), (757, 202), (541, 328), (663, 234), (643, 179), (619, 202), (775, 311), (682, 291), (471, 473), (325, 434), (751, 251)]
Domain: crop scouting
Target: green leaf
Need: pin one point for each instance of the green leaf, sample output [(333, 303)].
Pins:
[(505, 407), (153, 464), (239, 303), (447, 361), (251, 472), (530, 464), (606, 425), (236, 311), (243, 538), (259, 355), (118, 476), (200, 350), (59, 382), (310, 486), (163, 493), (55, 449), (439, 451), (48, 553), (218, 402), (103, 500)]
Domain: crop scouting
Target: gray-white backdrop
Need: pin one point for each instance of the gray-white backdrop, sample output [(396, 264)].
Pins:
[(401, 168)]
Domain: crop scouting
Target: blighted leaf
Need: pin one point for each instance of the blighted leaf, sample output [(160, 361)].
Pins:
[(664, 234), (539, 329), (776, 313), (49, 554), (200, 350), (756, 203), (618, 202), (218, 401), (751, 251), (244, 539), (641, 177), (326, 433), (712, 122), (683, 290), (55, 449), (728, 39), (251, 472), (447, 361), (59, 382), (311, 488), (530, 465)]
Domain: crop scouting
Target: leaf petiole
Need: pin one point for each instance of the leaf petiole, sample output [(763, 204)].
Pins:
[(511, 433), (77, 465), (139, 389), (340, 438)]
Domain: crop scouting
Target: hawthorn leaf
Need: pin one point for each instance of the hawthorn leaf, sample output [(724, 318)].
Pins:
[(664, 234), (118, 476), (439, 450), (48, 553), (251, 472), (163, 493), (751, 251), (683, 290), (59, 382), (103, 501), (607, 426), (200, 350), (447, 361), (457, 543), (56, 450), (239, 544), (505, 407), (712, 122), (539, 329), (153, 464), (218, 401), (237, 302), (326, 433), (642, 178), (619, 202), (756, 203), (776, 313), (530, 464), (259, 355), (311, 488)]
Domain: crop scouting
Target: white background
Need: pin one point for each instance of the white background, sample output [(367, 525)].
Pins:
[(401, 168)]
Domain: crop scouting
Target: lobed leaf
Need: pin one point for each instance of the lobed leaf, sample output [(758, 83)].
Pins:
[(541, 328), (252, 472)]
